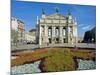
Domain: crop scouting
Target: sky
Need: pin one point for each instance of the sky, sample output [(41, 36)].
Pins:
[(28, 12)]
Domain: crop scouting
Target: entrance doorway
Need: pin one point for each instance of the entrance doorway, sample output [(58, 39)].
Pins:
[(57, 40), (64, 40), (49, 40)]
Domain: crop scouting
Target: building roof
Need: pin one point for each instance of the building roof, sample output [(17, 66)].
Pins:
[(14, 18), (32, 30)]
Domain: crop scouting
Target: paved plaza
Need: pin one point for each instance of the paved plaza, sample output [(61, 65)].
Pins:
[(36, 46)]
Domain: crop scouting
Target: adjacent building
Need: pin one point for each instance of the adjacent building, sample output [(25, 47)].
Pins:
[(56, 28), (33, 32), (30, 38), (17, 31)]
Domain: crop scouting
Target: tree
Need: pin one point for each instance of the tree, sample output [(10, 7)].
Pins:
[(14, 37)]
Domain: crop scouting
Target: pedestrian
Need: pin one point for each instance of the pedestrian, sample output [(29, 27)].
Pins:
[(75, 47)]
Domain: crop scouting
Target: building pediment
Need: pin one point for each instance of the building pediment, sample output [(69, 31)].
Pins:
[(55, 16), (54, 19)]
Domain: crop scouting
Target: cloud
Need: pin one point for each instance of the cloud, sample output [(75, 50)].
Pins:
[(84, 27), (80, 25), (88, 27)]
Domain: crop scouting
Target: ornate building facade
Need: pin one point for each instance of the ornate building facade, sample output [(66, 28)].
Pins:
[(56, 28), (17, 31)]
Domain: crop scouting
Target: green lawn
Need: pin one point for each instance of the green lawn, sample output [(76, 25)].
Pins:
[(59, 60)]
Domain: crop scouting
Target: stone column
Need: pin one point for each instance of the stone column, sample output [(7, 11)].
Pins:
[(40, 35), (61, 34), (46, 34), (66, 34), (53, 34), (69, 34), (75, 34)]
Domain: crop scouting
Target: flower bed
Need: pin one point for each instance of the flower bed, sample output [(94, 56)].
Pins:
[(84, 55), (30, 53), (82, 50), (54, 59), (22, 60)]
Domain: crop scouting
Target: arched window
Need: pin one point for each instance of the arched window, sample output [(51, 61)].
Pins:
[(64, 31), (57, 31), (49, 31)]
